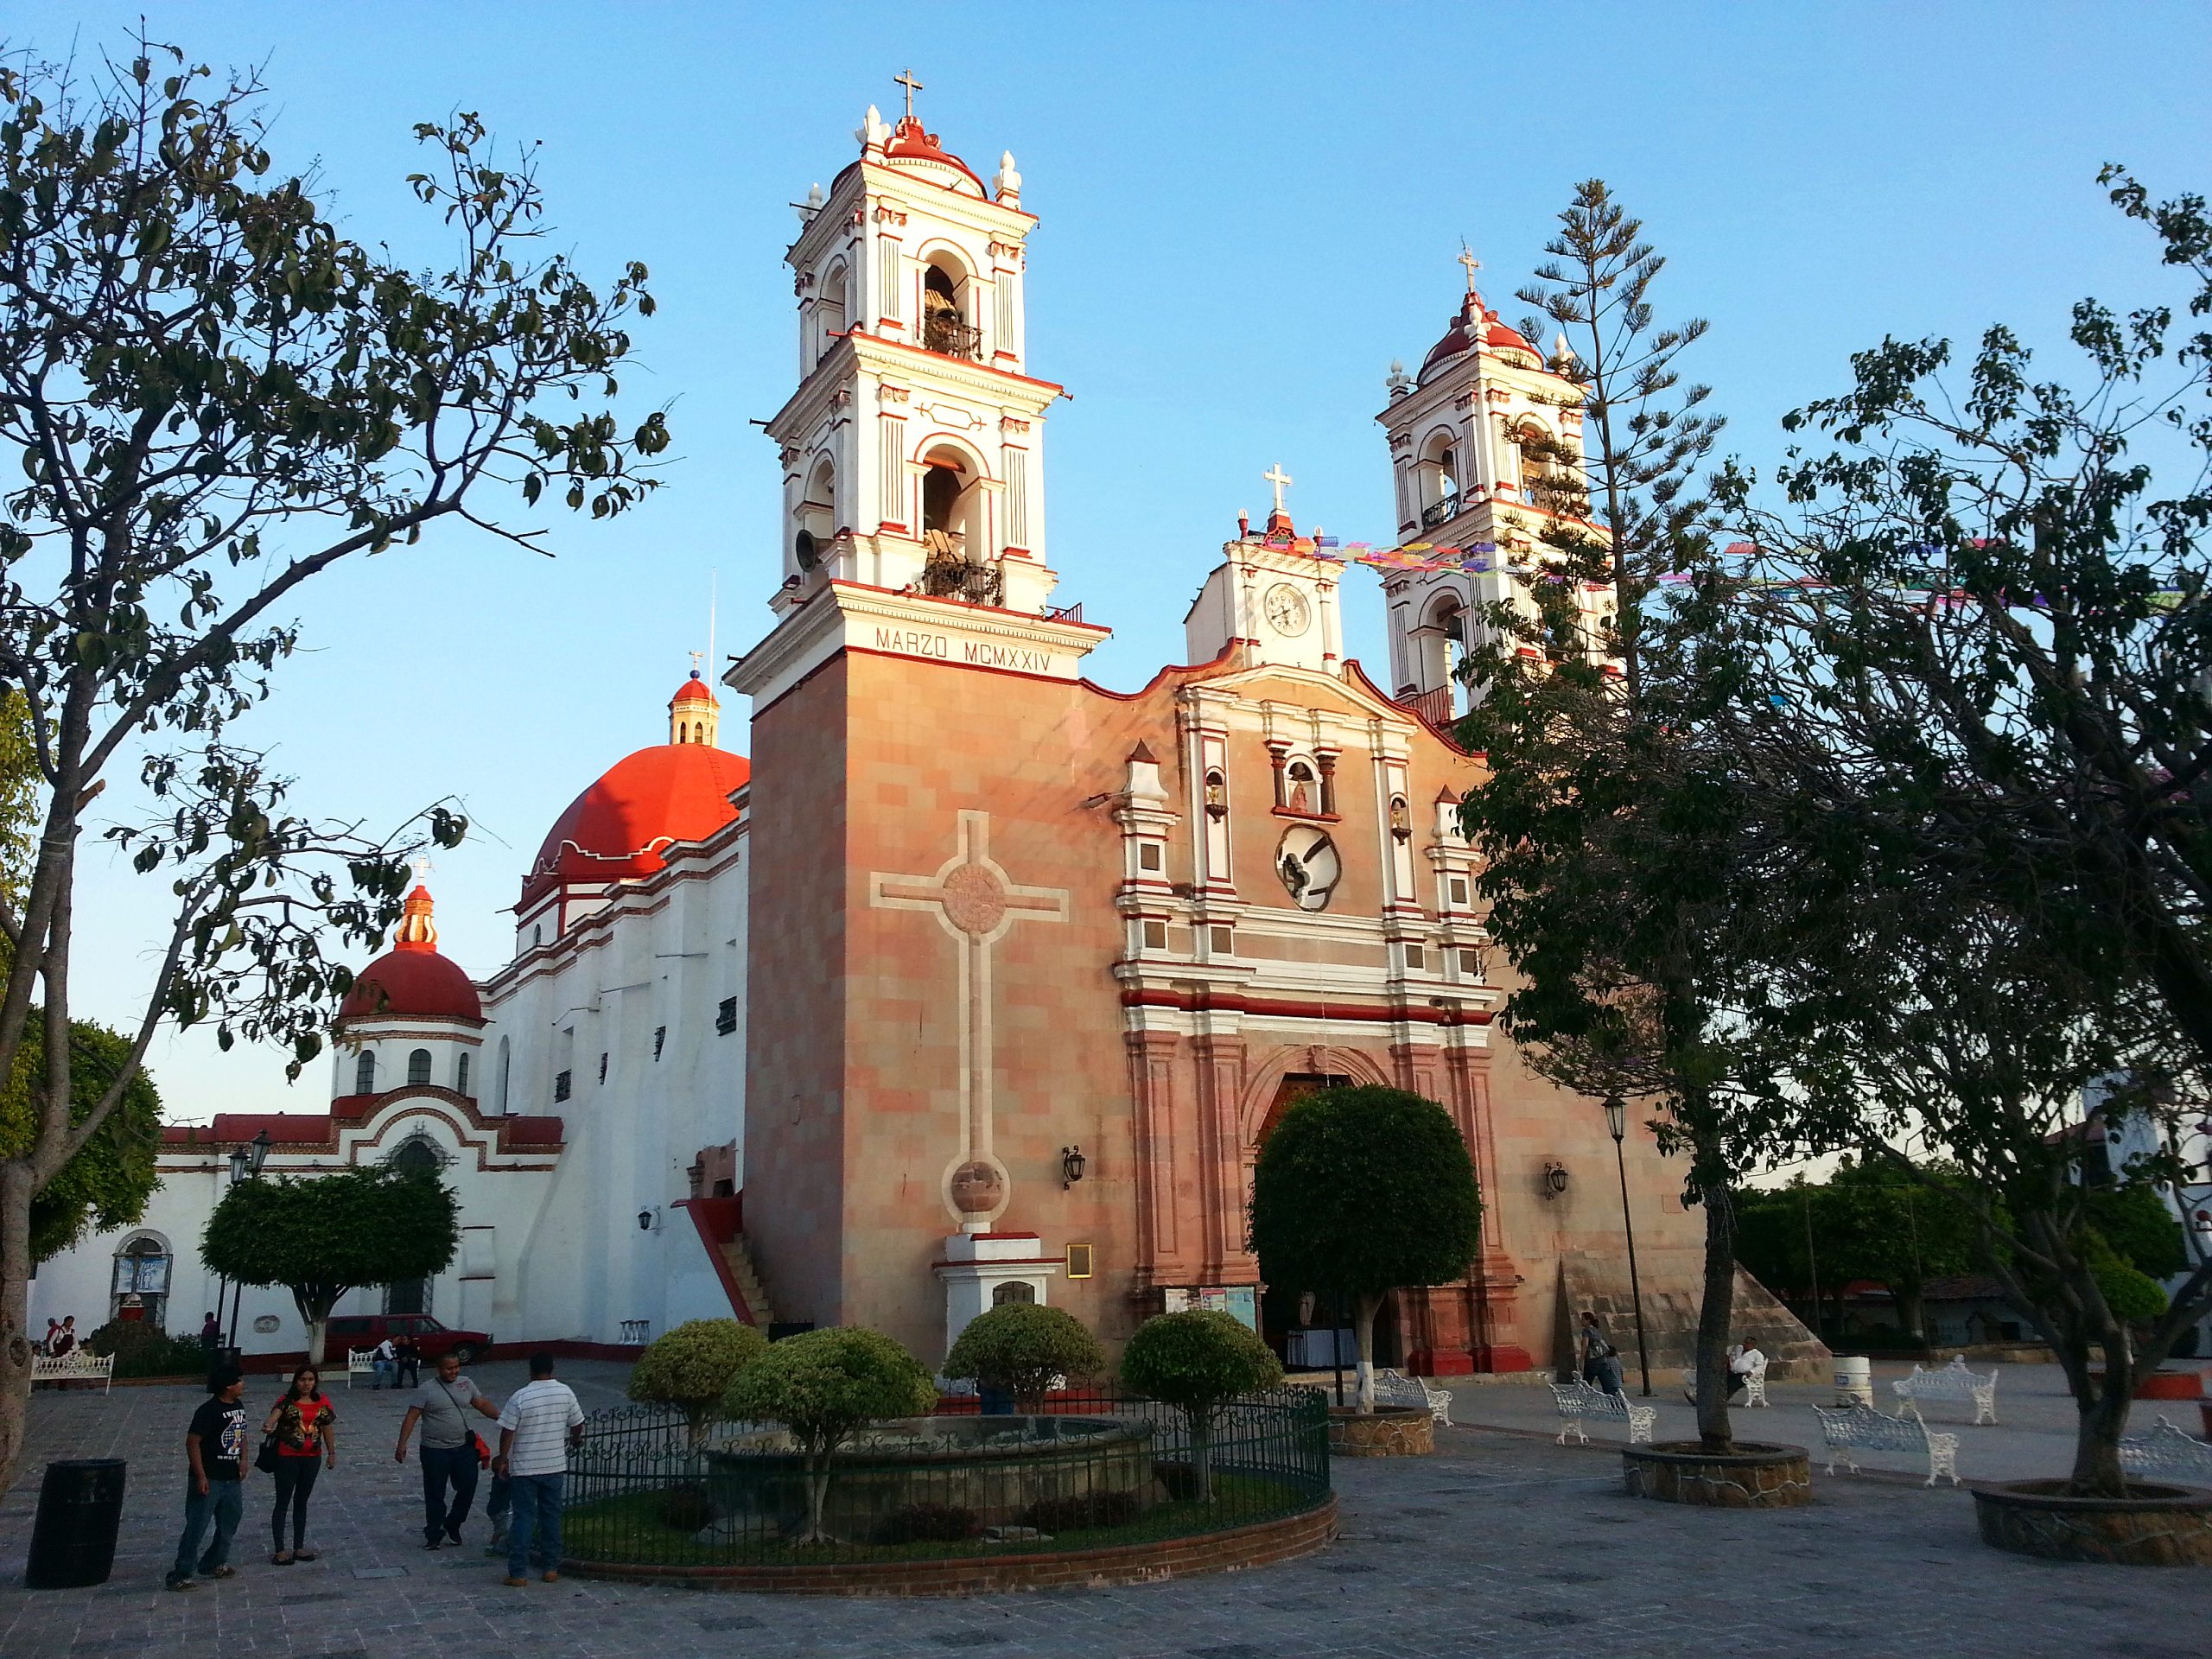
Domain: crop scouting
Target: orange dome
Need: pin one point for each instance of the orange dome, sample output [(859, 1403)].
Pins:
[(617, 830), (1474, 323), (693, 691), (412, 979)]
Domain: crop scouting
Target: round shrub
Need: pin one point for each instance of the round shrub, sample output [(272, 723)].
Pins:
[(692, 1367), (1197, 1359), (1021, 1347)]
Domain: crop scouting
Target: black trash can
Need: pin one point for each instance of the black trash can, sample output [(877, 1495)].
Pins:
[(80, 1507)]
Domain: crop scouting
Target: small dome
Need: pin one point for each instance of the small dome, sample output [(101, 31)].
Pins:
[(1475, 323), (694, 690), (617, 830), (413, 979)]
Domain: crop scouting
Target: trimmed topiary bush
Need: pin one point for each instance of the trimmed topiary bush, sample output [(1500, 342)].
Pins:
[(692, 1367), (1197, 1361), (822, 1385), (1021, 1347), (144, 1349)]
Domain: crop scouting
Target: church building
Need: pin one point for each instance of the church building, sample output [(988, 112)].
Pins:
[(976, 981)]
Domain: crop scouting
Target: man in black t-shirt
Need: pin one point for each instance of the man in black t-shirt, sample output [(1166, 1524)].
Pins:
[(214, 1448)]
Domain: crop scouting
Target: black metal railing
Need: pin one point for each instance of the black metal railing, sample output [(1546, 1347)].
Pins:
[(1437, 512), (951, 337), (1088, 1472)]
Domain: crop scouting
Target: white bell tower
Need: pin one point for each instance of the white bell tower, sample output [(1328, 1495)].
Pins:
[(913, 448), (1465, 435)]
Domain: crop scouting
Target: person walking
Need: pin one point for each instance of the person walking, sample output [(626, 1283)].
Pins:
[(1601, 1361), (214, 1453), (541, 1421), (305, 1426), (450, 1453)]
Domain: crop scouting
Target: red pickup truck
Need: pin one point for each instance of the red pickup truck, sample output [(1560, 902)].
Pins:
[(349, 1332)]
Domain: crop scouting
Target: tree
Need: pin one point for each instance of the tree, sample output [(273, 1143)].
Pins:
[(322, 1236), (1024, 1348), (1197, 1361), (209, 396), (692, 1367), (106, 1184), (1361, 1191), (1863, 1223), (1619, 880), (1964, 668), (822, 1386)]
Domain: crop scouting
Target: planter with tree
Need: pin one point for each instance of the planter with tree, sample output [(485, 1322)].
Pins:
[(1198, 1360), (322, 1236), (1360, 1191)]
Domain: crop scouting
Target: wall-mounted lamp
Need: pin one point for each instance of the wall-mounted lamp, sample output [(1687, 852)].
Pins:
[(1072, 1163), (1555, 1179), (646, 1219)]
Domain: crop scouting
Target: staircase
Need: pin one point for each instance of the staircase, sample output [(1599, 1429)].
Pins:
[(721, 1222), (739, 1262)]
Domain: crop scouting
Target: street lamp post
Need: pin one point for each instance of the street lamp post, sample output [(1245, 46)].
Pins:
[(245, 1166), (1616, 1124)]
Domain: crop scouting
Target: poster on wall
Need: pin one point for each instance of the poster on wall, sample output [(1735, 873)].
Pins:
[(1241, 1300)]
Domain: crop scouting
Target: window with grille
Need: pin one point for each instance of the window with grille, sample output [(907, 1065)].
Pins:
[(418, 1067), (725, 1016), (660, 1037), (560, 1085)]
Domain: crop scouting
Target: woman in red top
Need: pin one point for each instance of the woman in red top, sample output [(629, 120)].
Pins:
[(306, 1427)]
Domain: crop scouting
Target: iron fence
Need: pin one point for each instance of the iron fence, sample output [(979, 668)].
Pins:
[(1087, 1472)]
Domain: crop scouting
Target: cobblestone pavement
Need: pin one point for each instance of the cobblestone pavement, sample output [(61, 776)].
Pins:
[(1502, 1544)]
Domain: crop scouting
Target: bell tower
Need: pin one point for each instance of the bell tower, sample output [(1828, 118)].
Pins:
[(1470, 437), (913, 448)]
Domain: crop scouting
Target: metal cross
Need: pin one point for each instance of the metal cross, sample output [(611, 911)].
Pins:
[(911, 85), (1467, 258), (1276, 476), (698, 658), (423, 867)]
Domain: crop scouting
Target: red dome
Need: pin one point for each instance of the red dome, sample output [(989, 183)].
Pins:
[(1473, 321), (617, 829), (909, 143), (693, 691), (412, 981)]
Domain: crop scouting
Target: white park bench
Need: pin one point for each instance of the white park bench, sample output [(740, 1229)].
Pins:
[(1578, 1399), (359, 1361), (75, 1366), (1396, 1388), (1862, 1427), (1953, 1381), (2167, 1451), (1755, 1384)]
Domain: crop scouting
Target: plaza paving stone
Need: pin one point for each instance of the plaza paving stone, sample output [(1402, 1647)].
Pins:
[(1501, 1544)]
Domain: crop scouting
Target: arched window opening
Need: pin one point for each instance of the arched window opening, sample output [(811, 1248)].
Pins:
[(461, 1075), (1437, 477), (506, 1072), (815, 521), (142, 1281), (829, 312), (365, 1073), (1304, 788), (418, 1067), (1442, 647), (1535, 445), (955, 565), (1013, 1293), (944, 321)]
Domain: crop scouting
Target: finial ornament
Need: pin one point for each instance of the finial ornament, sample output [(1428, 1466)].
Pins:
[(697, 659), (1276, 476), (1007, 186), (905, 79), (1467, 258), (1399, 382), (872, 133)]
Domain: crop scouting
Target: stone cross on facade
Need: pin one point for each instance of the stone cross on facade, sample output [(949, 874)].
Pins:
[(978, 904), (1276, 476)]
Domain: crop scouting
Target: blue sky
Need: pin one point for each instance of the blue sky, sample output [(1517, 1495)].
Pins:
[(1247, 212)]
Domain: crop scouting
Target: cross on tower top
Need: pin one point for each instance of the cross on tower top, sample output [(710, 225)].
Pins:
[(1276, 476), (423, 867), (906, 79), (1467, 258), (698, 658)]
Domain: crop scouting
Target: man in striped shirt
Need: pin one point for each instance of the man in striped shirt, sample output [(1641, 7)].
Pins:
[(540, 1422)]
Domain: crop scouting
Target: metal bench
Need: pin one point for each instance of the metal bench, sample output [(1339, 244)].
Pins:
[(1578, 1399), (76, 1366), (1953, 1381), (2167, 1451), (1755, 1384), (1396, 1388), (1857, 1427), (359, 1361)]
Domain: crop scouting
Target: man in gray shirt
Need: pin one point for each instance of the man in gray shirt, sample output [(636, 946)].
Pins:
[(441, 1405)]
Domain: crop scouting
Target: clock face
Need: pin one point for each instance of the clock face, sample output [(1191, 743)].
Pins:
[(1308, 866), (1287, 610)]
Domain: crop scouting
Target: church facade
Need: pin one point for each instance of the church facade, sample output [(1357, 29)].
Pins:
[(977, 981)]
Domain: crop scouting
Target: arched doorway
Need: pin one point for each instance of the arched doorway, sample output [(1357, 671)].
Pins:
[(1288, 1311), (412, 1295)]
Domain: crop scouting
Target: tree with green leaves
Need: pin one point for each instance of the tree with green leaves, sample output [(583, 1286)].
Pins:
[(322, 1236), (1620, 882), (1962, 671), (1864, 1221), (823, 1386), (1197, 1360), (106, 1183), (1024, 1348), (1362, 1191), (210, 395), (692, 1367)]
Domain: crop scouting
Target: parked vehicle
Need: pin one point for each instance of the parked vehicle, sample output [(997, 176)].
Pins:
[(347, 1331)]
